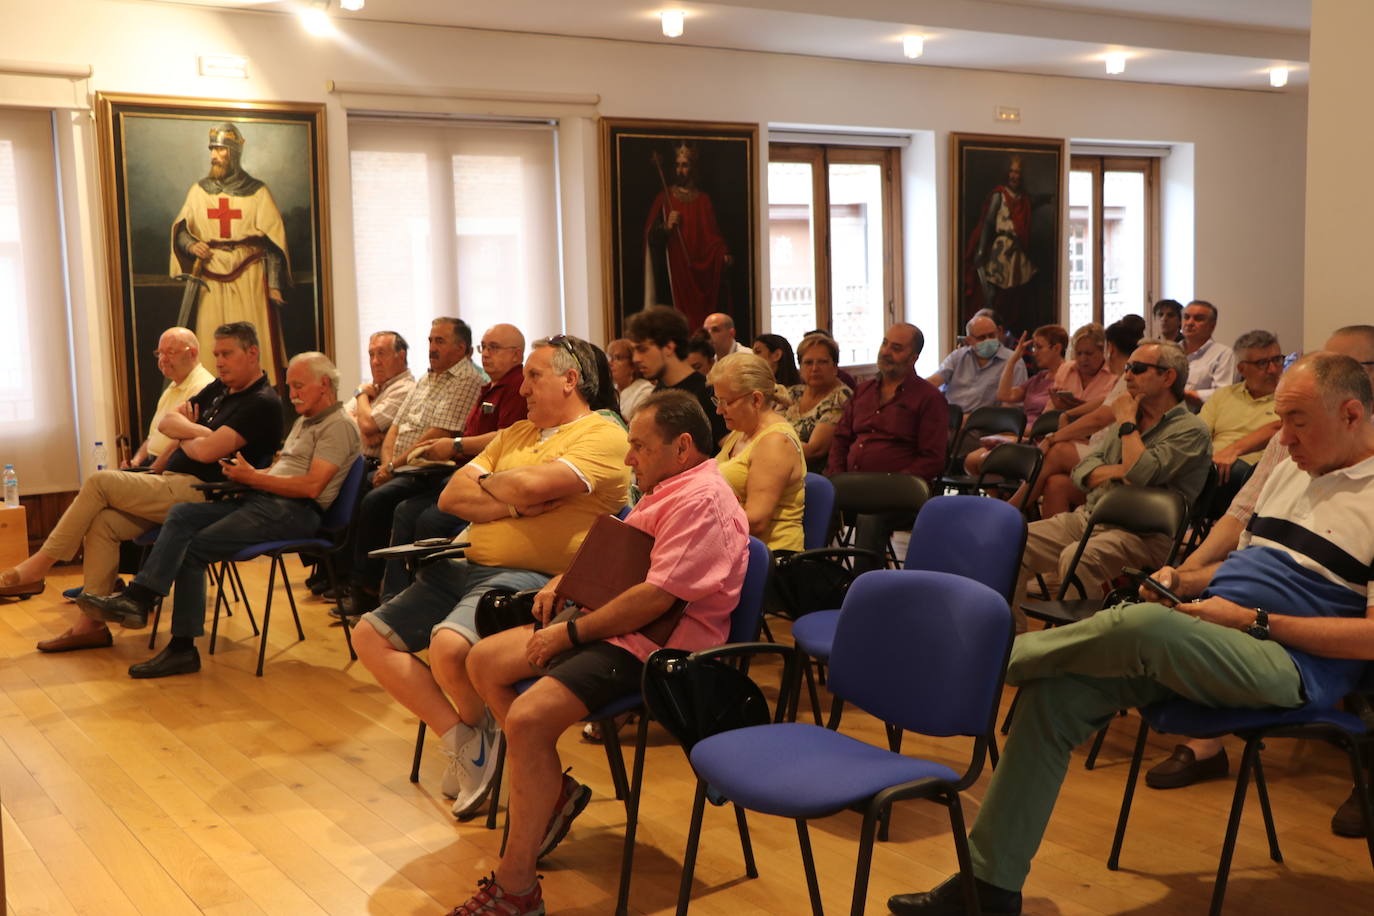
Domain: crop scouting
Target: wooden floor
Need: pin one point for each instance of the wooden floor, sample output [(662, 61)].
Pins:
[(224, 793)]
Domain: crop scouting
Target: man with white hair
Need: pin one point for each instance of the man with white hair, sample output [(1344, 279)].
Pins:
[(285, 501), (178, 359), (971, 374)]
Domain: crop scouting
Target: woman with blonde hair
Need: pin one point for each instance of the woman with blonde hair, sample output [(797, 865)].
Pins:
[(628, 383), (761, 458), (819, 400)]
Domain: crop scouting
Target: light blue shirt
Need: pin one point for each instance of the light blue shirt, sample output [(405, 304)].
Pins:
[(971, 386)]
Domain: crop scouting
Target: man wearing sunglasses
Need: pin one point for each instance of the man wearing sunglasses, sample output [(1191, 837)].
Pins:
[(1155, 442), (1241, 417)]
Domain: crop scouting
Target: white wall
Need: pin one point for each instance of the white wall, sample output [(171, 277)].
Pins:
[(1248, 148)]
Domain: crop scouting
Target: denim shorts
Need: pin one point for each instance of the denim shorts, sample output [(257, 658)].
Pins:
[(444, 596)]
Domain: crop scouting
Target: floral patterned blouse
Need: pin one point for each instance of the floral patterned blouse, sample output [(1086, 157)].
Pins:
[(827, 411)]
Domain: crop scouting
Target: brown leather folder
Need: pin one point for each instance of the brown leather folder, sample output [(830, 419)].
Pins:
[(613, 557)]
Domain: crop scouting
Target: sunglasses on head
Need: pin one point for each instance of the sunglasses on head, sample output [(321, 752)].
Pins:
[(1138, 368)]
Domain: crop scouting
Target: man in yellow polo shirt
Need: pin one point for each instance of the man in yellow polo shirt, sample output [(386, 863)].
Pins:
[(530, 497), (1241, 417), (178, 359)]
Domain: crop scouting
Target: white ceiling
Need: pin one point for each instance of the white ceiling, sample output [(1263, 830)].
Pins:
[(1214, 43)]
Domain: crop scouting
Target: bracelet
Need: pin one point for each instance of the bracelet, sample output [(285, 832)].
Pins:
[(572, 633)]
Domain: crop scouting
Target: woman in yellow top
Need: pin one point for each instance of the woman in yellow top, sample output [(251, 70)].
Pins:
[(761, 458)]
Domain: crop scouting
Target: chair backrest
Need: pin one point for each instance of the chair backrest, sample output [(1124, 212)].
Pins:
[(923, 650), (985, 421), (970, 536), (1046, 423), (340, 512), (1140, 510), (1018, 461), (820, 505), (868, 492), (747, 617)]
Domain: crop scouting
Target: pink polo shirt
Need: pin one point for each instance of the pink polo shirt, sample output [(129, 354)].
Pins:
[(701, 550)]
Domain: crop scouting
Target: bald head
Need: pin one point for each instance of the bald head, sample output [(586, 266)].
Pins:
[(503, 348), (1357, 342), (721, 329), (177, 353)]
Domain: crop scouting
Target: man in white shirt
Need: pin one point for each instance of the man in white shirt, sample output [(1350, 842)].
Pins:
[(178, 359), (721, 328), (1211, 364)]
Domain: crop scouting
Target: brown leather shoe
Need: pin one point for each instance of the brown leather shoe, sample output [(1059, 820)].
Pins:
[(1348, 819), (11, 587), (1183, 769), (70, 642)]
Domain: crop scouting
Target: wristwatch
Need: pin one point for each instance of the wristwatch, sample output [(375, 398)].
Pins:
[(1126, 429), (1260, 628), (457, 447)]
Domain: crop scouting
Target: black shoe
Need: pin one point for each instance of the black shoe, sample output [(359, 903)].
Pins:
[(948, 900), (168, 662), (1349, 819), (357, 603), (333, 593), (120, 609), (1182, 768)]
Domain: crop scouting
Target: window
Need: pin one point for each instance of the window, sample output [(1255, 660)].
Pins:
[(1113, 240), (832, 238), (454, 218), (36, 397)]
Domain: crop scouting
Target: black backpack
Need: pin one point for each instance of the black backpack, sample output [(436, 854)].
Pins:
[(695, 698)]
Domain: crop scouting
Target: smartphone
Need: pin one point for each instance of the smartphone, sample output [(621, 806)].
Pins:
[(228, 461), (1141, 576), (433, 542)]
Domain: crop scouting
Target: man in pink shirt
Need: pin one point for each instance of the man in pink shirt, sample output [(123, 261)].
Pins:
[(700, 554)]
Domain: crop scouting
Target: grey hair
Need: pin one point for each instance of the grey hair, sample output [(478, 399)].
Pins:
[(1171, 356), (563, 361), (968, 325), (1255, 340), (321, 366)]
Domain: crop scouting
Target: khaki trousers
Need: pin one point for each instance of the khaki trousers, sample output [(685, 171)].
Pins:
[(115, 506), (1050, 546)]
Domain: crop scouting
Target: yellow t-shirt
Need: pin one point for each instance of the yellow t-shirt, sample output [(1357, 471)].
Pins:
[(784, 530), (1231, 414), (595, 448)]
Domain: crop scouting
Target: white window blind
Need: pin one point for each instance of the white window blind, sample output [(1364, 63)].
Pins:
[(454, 218), (37, 427)]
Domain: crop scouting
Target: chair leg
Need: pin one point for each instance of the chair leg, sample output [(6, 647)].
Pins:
[(1097, 746), (689, 857), (290, 596), (956, 825), (1113, 860), (157, 618), (338, 603), (894, 738), (615, 760), (811, 689), (836, 711), (764, 630), (1006, 721), (242, 592), (864, 863), (746, 845), (495, 802), (808, 861), (220, 601), (1228, 848), (627, 855), (1262, 790), (993, 755), (1358, 771), (266, 615), (419, 751)]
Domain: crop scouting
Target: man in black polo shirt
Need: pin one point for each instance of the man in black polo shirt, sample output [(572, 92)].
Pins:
[(238, 412), (659, 335)]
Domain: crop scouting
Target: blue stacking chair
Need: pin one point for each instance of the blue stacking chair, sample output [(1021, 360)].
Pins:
[(816, 514), (147, 539), (1193, 720), (923, 651), (328, 540), (971, 536)]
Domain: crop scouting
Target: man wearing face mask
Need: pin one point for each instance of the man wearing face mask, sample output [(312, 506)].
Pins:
[(970, 375)]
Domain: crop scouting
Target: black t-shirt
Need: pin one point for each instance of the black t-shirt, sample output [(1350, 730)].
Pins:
[(695, 385), (254, 413)]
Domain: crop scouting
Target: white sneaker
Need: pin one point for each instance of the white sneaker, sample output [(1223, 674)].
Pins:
[(475, 765), (451, 784)]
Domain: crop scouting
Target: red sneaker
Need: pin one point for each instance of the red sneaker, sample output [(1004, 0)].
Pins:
[(572, 798), (492, 899)]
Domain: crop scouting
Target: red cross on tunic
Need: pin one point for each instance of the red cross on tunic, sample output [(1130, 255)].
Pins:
[(224, 215)]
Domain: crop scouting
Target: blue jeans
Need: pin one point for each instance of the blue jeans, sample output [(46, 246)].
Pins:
[(374, 522), (198, 534), (416, 518), (444, 597)]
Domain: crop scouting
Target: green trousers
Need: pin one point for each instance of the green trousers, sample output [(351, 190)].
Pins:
[(1073, 679)]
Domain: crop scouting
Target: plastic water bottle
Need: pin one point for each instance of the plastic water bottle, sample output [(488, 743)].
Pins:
[(100, 459), (11, 487)]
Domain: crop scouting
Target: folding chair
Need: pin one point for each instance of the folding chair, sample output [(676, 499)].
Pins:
[(1183, 717), (1014, 464), (329, 539), (1046, 423), (983, 421), (867, 496), (923, 651)]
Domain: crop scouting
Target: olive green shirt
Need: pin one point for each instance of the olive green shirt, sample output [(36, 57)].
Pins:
[(1178, 453)]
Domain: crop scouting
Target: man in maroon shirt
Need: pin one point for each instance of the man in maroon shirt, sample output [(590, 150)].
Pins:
[(897, 422)]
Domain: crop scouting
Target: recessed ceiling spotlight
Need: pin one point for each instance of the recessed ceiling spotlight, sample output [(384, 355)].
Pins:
[(1116, 62), (352, 5), (913, 46), (315, 18), (1278, 77), (672, 22)]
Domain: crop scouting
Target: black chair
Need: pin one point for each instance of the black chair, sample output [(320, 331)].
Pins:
[(1201, 517), (1044, 424), (956, 422), (869, 502), (1140, 510), (983, 421), (1013, 464)]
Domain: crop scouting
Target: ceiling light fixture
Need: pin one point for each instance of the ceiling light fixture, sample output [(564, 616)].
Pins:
[(315, 18), (1116, 62), (913, 46), (672, 22), (1278, 77), (351, 5)]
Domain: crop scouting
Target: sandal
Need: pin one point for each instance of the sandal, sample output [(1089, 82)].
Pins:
[(591, 732)]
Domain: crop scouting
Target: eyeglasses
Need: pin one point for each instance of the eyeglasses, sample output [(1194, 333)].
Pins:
[(1138, 368), (169, 353), (715, 401), (494, 348), (1275, 361)]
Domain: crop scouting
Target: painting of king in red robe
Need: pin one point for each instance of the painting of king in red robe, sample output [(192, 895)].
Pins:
[(1008, 196), (681, 220), (216, 212)]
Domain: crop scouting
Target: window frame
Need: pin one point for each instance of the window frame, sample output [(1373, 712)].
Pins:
[(1098, 166)]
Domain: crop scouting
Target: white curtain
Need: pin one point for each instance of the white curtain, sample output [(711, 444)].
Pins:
[(454, 218), (37, 412)]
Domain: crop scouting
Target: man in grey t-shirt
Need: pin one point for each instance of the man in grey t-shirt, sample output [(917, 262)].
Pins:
[(285, 502)]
